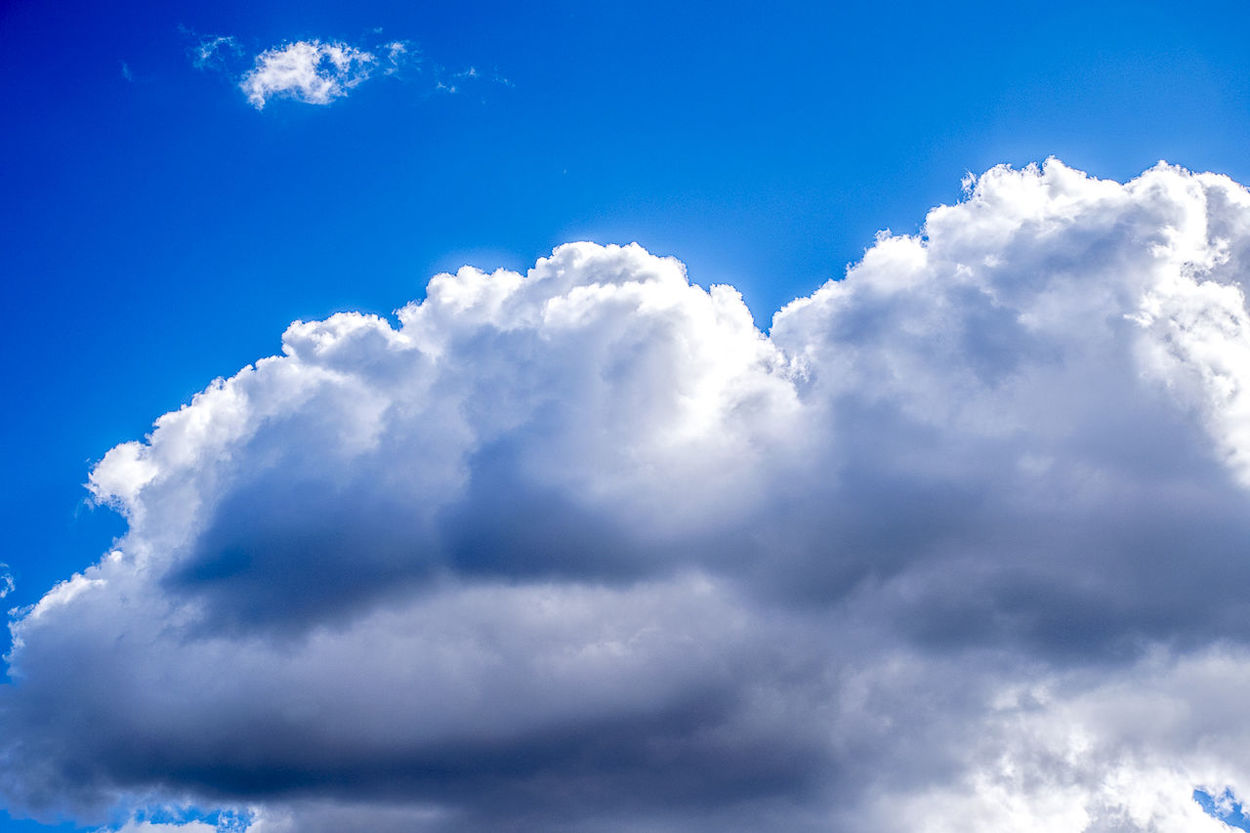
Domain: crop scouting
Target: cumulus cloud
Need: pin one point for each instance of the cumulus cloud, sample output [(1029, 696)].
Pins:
[(314, 71), (309, 71), (958, 544)]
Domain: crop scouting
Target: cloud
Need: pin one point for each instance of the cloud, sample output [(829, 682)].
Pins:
[(6, 580), (214, 51), (319, 72), (958, 544), (160, 827), (309, 71)]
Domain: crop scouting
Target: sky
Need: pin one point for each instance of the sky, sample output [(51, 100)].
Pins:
[(840, 422)]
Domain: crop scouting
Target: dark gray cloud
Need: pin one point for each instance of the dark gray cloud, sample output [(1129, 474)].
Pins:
[(584, 549)]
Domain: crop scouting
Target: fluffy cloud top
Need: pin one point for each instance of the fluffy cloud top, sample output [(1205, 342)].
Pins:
[(309, 71), (959, 544)]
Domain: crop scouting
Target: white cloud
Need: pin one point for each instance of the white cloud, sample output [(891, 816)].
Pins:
[(212, 52), (958, 545), (319, 72), (163, 827), (6, 580), (309, 71), (396, 53)]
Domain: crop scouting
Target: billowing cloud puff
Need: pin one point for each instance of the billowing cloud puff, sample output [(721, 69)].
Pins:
[(958, 545), (309, 71)]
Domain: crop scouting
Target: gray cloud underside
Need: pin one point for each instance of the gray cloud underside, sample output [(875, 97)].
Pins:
[(960, 544)]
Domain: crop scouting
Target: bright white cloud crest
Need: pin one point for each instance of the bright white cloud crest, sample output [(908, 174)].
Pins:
[(958, 545)]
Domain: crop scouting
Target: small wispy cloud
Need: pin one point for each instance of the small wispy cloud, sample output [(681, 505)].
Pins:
[(309, 71), (214, 51), (396, 51), (315, 71), (6, 581), (126, 73), (451, 83)]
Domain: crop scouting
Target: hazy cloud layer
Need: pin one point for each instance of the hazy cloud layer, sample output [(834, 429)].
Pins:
[(959, 545)]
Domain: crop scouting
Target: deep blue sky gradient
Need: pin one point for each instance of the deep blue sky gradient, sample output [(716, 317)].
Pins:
[(158, 231)]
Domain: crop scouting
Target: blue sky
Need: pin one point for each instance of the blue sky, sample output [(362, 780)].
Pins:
[(158, 231)]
